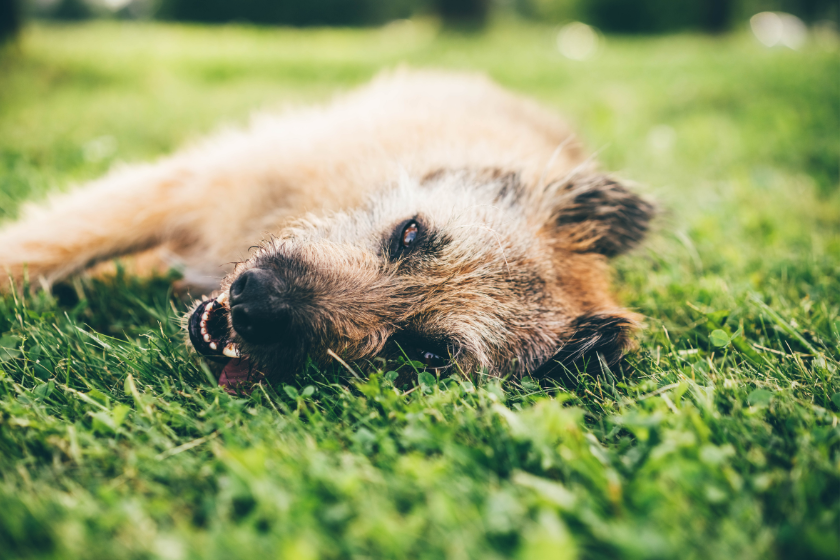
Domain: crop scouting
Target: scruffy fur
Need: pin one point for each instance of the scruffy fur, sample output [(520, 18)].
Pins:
[(517, 226)]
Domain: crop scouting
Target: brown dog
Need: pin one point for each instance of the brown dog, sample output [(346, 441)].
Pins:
[(451, 220)]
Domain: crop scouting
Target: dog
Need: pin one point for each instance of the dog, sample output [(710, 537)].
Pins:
[(428, 214)]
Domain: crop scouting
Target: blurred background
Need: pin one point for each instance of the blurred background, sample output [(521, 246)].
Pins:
[(615, 16), (714, 85)]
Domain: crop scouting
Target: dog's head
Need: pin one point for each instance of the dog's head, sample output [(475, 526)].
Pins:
[(468, 268)]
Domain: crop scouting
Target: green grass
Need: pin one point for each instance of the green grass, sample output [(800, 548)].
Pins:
[(719, 439)]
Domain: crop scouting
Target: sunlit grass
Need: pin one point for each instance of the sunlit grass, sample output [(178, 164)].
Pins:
[(718, 439)]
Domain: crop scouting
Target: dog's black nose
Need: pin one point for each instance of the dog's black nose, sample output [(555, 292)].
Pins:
[(257, 306)]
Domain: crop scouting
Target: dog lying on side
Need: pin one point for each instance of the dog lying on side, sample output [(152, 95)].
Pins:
[(430, 214)]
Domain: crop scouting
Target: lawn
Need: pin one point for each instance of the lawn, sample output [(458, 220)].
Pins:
[(719, 438)]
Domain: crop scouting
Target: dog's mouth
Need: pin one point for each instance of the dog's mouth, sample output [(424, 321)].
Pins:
[(210, 336), (208, 328)]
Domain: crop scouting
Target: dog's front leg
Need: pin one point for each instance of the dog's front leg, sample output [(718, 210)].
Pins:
[(126, 211)]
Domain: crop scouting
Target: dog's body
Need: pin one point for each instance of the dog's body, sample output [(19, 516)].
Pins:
[(499, 260)]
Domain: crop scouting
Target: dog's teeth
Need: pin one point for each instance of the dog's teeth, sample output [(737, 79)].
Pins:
[(209, 306), (213, 346), (206, 338), (203, 329), (205, 316), (231, 351), (222, 299)]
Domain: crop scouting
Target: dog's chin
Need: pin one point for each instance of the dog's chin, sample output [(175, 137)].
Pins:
[(245, 364)]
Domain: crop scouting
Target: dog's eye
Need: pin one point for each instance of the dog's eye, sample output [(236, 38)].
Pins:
[(432, 360), (434, 353), (409, 234), (406, 238)]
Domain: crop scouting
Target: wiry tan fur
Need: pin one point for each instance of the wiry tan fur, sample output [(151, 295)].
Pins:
[(527, 221)]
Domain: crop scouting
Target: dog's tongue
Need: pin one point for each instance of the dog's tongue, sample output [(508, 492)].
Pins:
[(238, 376)]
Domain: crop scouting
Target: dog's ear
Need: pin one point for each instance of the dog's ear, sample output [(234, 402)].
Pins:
[(594, 213), (596, 339)]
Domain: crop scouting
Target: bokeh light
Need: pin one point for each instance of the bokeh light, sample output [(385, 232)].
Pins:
[(778, 28), (577, 41)]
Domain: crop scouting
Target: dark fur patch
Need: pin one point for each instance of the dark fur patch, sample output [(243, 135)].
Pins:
[(505, 183), (595, 334), (619, 218), (435, 175)]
